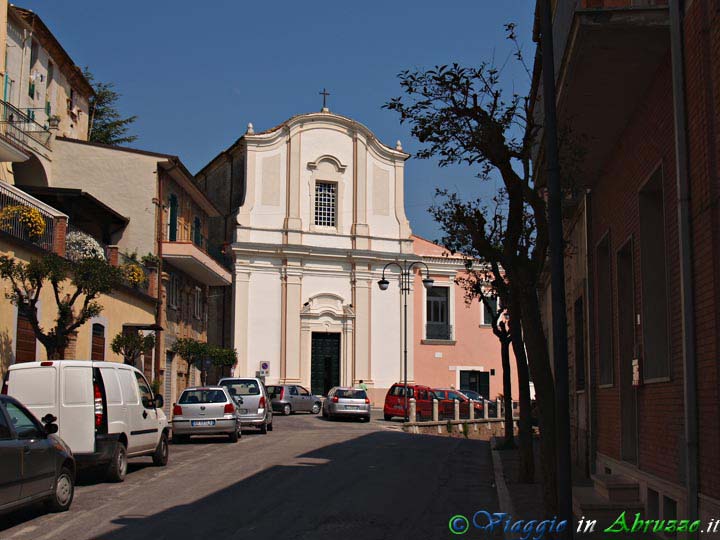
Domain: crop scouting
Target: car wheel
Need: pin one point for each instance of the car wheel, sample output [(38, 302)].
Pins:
[(324, 412), (366, 419), (387, 417), (162, 452), (63, 493), (287, 409), (316, 408), (270, 426), (117, 468), (234, 436), (264, 428)]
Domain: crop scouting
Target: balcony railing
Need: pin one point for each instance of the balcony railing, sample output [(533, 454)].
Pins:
[(12, 223), (21, 127), (438, 331)]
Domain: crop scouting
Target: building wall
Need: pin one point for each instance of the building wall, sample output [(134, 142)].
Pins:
[(702, 70), (121, 307), (125, 180), (474, 346), (73, 120)]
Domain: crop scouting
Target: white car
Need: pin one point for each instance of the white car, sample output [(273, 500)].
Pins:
[(106, 411)]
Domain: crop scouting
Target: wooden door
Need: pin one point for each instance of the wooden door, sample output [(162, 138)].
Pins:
[(25, 341)]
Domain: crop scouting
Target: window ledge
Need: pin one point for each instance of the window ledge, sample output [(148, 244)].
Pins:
[(606, 385), (437, 342), (657, 380)]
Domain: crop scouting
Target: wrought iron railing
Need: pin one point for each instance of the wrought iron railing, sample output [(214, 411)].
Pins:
[(20, 126), (438, 331), (11, 222)]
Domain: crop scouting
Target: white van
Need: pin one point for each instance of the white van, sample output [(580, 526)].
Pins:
[(106, 412)]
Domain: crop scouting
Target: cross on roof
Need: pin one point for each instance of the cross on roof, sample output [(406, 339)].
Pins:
[(324, 94)]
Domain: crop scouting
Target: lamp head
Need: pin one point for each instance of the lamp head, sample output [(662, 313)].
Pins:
[(383, 284), (428, 283)]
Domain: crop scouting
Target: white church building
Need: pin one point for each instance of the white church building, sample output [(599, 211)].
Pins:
[(313, 211)]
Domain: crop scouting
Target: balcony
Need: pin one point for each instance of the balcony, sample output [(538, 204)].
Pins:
[(190, 253), (439, 331), (613, 52), (13, 201), (20, 127)]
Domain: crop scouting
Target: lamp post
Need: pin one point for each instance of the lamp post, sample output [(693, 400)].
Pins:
[(405, 268)]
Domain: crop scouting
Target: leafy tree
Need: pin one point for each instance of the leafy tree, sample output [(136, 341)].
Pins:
[(107, 125), (131, 345), (196, 352), (76, 286), (462, 115)]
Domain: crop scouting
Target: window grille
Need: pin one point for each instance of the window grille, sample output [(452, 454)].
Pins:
[(325, 204)]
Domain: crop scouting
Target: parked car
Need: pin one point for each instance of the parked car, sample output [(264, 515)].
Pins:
[(106, 411), (446, 406), (292, 398), (35, 464), (207, 411), (347, 402), (395, 401), (256, 410), (491, 405)]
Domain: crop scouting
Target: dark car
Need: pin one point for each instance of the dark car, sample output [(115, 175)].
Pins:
[(292, 398), (35, 464), (491, 405)]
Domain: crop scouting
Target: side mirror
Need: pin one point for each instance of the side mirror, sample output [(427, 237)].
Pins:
[(51, 428), (159, 401), (49, 419), (238, 400)]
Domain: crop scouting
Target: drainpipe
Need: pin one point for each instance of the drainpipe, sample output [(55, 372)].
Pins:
[(685, 251)]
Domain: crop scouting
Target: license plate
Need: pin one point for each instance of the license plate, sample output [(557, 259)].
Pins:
[(243, 411), (202, 423), (352, 407)]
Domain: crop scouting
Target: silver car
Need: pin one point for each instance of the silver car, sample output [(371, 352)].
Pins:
[(256, 409), (292, 398), (207, 410), (347, 402)]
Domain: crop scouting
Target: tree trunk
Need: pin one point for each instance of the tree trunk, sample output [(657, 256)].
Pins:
[(507, 393), (539, 362), (526, 473)]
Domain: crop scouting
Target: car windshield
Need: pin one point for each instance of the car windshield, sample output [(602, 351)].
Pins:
[(242, 387), (274, 391), (352, 393), (202, 396), (399, 391)]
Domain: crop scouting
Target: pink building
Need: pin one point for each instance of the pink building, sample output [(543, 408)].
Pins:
[(454, 342)]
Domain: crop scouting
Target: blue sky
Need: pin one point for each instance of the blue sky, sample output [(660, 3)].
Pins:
[(197, 72)]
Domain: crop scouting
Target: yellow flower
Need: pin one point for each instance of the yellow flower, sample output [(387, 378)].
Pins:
[(30, 218), (134, 274)]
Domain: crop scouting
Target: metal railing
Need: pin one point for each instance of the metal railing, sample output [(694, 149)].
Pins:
[(12, 196), (20, 126), (438, 331)]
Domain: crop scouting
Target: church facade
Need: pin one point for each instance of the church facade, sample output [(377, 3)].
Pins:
[(313, 210)]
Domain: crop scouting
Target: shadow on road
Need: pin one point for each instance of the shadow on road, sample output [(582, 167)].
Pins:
[(380, 485)]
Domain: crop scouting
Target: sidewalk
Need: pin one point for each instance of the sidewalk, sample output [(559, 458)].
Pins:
[(523, 501)]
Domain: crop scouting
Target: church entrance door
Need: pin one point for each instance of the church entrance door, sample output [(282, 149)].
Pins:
[(325, 354)]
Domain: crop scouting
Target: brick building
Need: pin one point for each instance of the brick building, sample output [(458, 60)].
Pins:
[(639, 83)]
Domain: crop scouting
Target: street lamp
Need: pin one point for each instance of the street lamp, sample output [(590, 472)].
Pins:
[(405, 277)]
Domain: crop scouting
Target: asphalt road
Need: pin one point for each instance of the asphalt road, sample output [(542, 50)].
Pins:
[(308, 479)]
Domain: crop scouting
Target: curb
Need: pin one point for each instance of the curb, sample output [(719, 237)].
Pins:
[(504, 500)]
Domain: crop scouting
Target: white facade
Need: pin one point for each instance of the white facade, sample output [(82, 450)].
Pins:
[(302, 272)]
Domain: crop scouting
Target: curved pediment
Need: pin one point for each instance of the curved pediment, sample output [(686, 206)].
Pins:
[(327, 158), (324, 120), (327, 304)]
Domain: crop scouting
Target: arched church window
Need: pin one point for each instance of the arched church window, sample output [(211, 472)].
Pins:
[(326, 204)]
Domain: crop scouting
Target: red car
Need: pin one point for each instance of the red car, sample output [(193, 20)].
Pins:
[(447, 397), (395, 401)]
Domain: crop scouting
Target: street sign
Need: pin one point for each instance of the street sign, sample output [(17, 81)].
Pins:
[(264, 366)]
